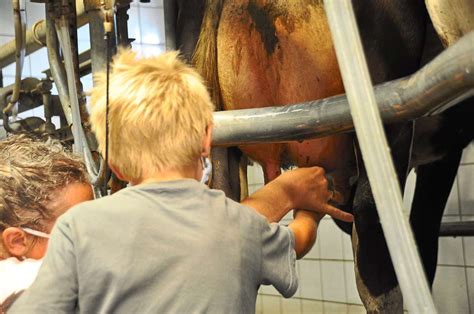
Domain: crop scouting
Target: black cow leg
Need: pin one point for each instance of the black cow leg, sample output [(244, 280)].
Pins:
[(375, 276), (225, 171), (433, 185)]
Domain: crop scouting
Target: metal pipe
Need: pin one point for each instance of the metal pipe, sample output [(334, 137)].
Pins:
[(446, 80), (98, 44), (377, 159), (81, 145), (457, 229), (20, 29), (35, 38), (57, 68), (62, 29), (170, 14)]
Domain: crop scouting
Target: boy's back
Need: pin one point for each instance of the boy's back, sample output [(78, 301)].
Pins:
[(168, 247)]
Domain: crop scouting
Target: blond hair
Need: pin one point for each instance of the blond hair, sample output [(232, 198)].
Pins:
[(159, 109), (31, 171)]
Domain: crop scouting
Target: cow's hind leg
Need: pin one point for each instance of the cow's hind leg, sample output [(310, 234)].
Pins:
[(433, 184), (375, 276)]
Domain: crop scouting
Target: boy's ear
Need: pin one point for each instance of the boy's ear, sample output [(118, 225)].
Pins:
[(207, 141), (14, 241)]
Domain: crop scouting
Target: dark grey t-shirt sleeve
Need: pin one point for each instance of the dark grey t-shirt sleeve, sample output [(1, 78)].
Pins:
[(55, 287), (279, 258)]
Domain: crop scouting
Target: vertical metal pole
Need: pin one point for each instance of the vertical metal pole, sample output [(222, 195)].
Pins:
[(376, 155), (169, 9)]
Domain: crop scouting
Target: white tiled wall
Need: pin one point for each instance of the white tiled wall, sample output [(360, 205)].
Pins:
[(327, 280)]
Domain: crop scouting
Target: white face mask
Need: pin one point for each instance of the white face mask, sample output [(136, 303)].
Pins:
[(36, 233), (206, 169)]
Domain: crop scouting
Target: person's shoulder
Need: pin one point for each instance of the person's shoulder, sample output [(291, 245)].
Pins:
[(96, 207)]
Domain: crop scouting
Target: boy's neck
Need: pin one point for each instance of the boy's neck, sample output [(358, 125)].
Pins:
[(168, 175)]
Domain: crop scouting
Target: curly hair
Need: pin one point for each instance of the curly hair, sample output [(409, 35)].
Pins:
[(32, 169)]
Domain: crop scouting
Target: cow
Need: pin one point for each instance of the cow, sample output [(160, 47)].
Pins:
[(258, 53)]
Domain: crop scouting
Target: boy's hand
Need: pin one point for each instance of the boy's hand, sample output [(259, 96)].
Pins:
[(309, 189)]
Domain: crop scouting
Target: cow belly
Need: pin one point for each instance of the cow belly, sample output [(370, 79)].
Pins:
[(273, 53)]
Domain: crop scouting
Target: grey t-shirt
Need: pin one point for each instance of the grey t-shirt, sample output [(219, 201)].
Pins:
[(169, 247)]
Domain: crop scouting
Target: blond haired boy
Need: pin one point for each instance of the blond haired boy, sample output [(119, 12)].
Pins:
[(169, 244)]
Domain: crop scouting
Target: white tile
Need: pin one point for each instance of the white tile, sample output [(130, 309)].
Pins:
[(6, 18), (451, 219), (347, 247), (5, 39), (152, 50), (470, 284), (87, 82), (83, 45), (34, 13), (469, 251), (288, 217), (271, 305), (314, 253), (83, 33), (351, 287), (8, 80), (450, 251), (56, 121), (452, 204), (10, 70), (450, 291), (334, 282), (468, 155), (330, 237), (310, 279), (312, 307), (250, 178), (335, 308), (253, 188), (356, 309), (466, 189), (255, 174), (134, 24), (291, 306), (39, 63), (152, 26), (152, 3), (409, 190)]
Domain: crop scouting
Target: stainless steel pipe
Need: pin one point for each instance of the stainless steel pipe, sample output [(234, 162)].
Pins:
[(443, 82)]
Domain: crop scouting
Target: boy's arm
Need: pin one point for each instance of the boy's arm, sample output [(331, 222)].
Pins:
[(304, 227), (303, 188)]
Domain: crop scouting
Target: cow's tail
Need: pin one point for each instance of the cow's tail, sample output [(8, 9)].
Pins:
[(205, 54)]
